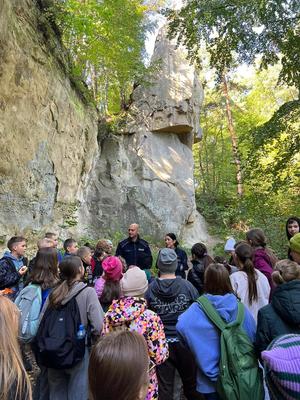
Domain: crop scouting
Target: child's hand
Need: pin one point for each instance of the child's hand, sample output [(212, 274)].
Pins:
[(23, 270)]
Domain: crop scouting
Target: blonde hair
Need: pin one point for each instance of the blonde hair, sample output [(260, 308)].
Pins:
[(13, 376), (285, 271)]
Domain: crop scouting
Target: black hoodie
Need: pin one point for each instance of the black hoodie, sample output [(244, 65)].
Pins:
[(280, 317), (169, 298)]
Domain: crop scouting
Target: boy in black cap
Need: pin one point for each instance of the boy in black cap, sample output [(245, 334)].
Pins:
[(169, 296)]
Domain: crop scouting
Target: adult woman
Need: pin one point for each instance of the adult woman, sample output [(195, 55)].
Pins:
[(130, 312), (172, 243), (292, 227), (282, 315), (200, 261), (263, 257), (118, 367), (14, 382), (250, 285), (201, 336), (71, 383)]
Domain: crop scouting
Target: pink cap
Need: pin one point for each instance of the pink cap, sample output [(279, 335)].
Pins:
[(112, 267)]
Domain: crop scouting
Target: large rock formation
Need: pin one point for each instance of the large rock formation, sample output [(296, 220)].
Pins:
[(60, 172), (146, 173), (48, 136)]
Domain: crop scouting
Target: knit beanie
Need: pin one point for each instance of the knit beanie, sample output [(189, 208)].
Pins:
[(282, 367), (112, 267), (167, 261), (229, 245), (295, 243), (134, 282)]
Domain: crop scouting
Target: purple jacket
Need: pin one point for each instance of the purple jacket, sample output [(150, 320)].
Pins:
[(262, 262)]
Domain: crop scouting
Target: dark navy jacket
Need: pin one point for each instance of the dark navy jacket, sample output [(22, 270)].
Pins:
[(182, 262), (135, 253), (9, 276)]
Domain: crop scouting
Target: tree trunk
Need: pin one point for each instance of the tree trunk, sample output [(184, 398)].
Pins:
[(234, 140)]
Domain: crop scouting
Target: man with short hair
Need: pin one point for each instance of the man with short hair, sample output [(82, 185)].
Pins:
[(70, 247), (41, 244), (13, 265), (135, 250)]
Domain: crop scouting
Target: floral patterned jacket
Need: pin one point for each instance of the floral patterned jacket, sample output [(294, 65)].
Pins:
[(133, 313)]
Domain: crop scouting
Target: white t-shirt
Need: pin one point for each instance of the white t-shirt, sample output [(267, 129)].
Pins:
[(239, 282)]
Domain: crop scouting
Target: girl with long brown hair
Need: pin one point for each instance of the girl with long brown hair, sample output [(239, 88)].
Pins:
[(71, 383), (118, 367), (14, 382), (250, 285)]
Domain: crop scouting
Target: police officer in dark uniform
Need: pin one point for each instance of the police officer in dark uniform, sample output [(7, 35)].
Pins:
[(135, 250)]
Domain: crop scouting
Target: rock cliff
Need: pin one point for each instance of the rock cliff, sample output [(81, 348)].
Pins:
[(59, 171), (146, 173)]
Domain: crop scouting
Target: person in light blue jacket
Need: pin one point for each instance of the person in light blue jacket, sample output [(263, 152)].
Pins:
[(202, 337)]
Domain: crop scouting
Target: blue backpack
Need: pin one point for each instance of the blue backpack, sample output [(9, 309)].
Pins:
[(29, 302)]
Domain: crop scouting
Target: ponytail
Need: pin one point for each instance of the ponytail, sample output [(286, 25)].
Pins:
[(248, 267), (244, 254), (70, 268)]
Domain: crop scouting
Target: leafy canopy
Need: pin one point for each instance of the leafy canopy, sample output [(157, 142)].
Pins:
[(242, 29), (106, 41)]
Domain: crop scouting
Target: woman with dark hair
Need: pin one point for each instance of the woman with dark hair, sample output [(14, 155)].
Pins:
[(292, 227), (72, 383), (200, 261), (118, 367), (202, 337), (172, 243), (263, 257), (250, 285), (282, 315)]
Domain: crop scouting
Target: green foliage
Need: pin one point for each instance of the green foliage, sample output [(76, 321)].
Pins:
[(253, 100), (106, 43), (242, 29)]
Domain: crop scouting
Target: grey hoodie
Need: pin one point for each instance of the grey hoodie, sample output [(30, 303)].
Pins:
[(89, 307)]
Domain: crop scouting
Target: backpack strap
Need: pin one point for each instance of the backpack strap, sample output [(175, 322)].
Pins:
[(81, 290), (214, 316)]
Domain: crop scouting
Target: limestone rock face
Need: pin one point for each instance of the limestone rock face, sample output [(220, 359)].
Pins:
[(48, 137), (145, 175), (59, 172)]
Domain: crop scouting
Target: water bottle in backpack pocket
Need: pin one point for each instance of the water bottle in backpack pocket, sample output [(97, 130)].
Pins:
[(61, 337), (29, 302)]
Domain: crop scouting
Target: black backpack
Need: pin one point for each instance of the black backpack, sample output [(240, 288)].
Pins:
[(56, 344)]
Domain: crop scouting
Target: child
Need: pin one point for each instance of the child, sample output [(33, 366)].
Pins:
[(13, 265), (70, 247)]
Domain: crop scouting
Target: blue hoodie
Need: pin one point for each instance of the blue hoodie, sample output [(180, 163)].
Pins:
[(18, 262), (201, 336)]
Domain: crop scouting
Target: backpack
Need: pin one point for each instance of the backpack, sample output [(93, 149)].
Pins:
[(240, 376), (29, 302), (56, 344)]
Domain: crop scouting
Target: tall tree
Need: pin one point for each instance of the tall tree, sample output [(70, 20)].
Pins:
[(233, 136), (242, 29)]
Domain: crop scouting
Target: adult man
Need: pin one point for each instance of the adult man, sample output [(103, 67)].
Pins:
[(135, 250)]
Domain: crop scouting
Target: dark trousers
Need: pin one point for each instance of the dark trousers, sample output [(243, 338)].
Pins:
[(180, 358)]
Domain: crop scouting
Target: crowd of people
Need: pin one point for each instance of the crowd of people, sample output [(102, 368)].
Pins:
[(104, 324)]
